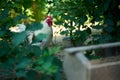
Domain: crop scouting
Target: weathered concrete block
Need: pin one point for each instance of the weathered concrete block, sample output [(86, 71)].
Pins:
[(78, 67)]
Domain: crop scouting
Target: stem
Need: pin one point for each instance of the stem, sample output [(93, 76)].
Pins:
[(71, 35)]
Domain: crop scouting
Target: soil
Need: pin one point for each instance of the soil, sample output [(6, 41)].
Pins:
[(106, 60)]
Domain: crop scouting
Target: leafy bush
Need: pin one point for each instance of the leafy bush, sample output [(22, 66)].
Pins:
[(89, 22), (18, 59), (96, 21)]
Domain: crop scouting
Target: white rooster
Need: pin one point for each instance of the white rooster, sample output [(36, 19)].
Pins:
[(31, 35)]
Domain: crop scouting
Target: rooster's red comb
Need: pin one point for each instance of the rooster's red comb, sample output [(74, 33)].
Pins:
[(50, 17)]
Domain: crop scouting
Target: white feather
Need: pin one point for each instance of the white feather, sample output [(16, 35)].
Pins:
[(30, 35), (18, 28)]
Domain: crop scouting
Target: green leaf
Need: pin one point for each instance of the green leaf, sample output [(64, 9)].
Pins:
[(108, 29), (98, 19), (97, 27), (2, 33), (105, 38), (19, 17), (19, 38), (57, 62), (31, 75), (102, 38), (21, 73), (89, 31), (54, 50), (109, 22), (58, 76), (91, 57), (4, 48), (107, 4), (64, 32), (7, 64), (48, 63), (11, 61), (89, 1), (59, 23), (3, 52), (83, 19), (40, 61), (24, 63), (34, 26), (35, 50), (28, 5), (45, 65), (52, 69), (39, 37), (66, 25), (5, 13)]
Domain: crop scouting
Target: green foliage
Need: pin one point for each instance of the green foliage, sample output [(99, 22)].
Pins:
[(18, 59), (88, 22), (18, 38), (77, 14), (91, 56)]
